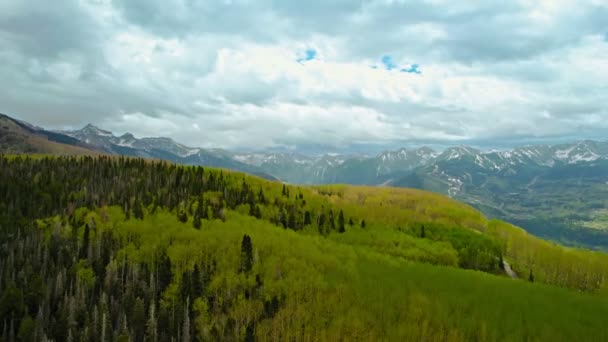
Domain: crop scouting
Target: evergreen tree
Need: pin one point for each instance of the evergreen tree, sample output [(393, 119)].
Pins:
[(164, 272), (332, 222), (261, 197), (531, 276), (196, 222), (307, 219), (182, 216), (362, 223), (422, 232), (197, 285), (291, 220), (138, 211), (321, 223), (84, 250), (246, 254), (198, 214), (254, 210), (249, 333), (341, 228)]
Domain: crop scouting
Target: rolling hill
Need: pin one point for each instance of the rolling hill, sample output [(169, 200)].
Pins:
[(125, 248)]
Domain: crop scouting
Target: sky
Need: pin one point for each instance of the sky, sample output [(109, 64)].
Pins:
[(262, 74)]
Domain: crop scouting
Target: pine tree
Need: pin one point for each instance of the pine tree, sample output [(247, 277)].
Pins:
[(332, 222), (246, 254), (307, 219), (198, 214), (291, 220), (164, 271), (196, 222), (138, 211), (197, 286), (182, 216), (85, 242), (261, 197), (254, 210), (249, 333), (531, 276), (321, 223), (362, 223), (341, 228), (422, 232)]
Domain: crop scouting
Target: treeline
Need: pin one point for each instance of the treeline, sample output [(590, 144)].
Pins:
[(43, 187)]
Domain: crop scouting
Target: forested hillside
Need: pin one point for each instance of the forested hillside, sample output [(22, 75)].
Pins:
[(118, 249)]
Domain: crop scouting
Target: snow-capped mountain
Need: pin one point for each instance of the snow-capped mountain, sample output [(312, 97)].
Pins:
[(160, 148), (403, 160), (106, 139), (456, 166), (454, 171)]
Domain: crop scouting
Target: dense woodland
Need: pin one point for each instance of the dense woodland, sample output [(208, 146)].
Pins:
[(119, 249)]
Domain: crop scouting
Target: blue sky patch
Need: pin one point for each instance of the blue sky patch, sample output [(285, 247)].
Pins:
[(413, 69), (309, 55), (388, 64), (387, 60)]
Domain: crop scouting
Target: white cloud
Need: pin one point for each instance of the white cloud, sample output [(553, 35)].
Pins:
[(226, 74)]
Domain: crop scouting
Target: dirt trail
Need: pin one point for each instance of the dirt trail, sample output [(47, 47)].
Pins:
[(508, 270)]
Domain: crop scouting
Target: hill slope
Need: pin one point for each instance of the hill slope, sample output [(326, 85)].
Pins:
[(134, 249), (19, 137), (557, 192)]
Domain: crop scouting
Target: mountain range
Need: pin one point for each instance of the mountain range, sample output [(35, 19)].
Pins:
[(558, 192)]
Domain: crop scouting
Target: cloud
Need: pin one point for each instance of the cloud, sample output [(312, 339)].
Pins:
[(261, 74)]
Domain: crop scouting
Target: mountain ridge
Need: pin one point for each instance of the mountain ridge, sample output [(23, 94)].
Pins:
[(159, 148), (556, 191)]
